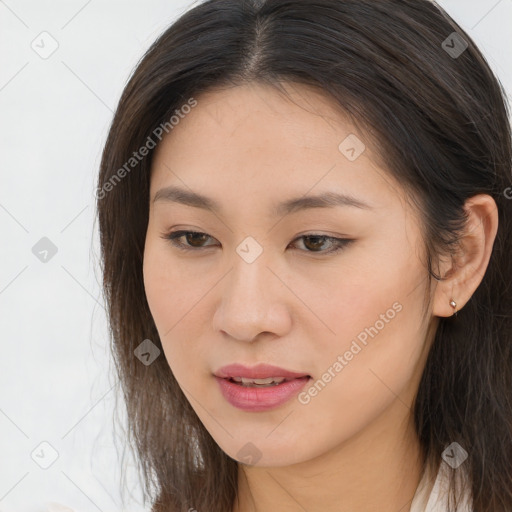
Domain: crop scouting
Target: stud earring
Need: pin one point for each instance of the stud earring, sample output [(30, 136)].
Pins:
[(453, 304)]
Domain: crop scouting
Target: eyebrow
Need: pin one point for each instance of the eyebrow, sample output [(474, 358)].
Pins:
[(173, 194)]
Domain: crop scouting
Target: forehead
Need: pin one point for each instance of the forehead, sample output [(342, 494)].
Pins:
[(254, 112), (260, 141)]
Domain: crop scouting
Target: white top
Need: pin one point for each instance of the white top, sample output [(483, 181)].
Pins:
[(437, 501)]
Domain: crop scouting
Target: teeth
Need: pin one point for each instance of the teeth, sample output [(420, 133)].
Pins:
[(261, 382)]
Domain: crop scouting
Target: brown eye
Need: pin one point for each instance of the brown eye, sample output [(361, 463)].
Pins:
[(314, 243), (194, 239)]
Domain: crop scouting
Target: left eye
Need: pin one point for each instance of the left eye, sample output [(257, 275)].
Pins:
[(313, 240)]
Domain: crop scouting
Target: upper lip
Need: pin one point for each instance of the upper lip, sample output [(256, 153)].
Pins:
[(260, 371)]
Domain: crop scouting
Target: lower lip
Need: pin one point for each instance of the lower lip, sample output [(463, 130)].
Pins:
[(260, 398)]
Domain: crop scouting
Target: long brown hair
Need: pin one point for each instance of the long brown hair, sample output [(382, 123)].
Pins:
[(419, 88)]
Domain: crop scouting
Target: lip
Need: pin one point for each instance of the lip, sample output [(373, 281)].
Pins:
[(256, 399), (260, 371)]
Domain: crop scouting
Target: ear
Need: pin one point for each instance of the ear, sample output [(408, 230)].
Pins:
[(464, 273)]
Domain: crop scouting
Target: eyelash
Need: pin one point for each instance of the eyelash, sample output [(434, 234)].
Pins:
[(172, 237)]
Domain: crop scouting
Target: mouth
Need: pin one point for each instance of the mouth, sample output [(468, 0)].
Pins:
[(260, 394), (261, 375), (263, 383)]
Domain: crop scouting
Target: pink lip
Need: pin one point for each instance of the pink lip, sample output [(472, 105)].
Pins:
[(260, 399), (260, 371)]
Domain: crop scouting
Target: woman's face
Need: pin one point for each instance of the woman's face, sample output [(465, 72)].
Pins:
[(259, 285)]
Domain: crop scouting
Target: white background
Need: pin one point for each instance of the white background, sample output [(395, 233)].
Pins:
[(55, 373)]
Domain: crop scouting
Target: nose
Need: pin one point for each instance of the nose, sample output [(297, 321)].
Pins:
[(254, 301)]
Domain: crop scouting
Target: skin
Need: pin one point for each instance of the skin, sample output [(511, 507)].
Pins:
[(353, 446)]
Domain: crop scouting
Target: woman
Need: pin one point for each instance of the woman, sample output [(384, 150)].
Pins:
[(305, 221)]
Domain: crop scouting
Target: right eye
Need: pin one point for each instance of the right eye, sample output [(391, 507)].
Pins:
[(189, 236)]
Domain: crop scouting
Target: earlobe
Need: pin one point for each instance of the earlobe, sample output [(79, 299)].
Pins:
[(472, 258), (453, 304)]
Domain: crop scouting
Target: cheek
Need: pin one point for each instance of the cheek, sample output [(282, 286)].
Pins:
[(164, 293), (174, 300), (157, 279), (367, 296), (376, 339)]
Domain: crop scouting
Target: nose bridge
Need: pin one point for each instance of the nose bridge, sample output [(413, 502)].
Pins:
[(251, 275), (252, 298)]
